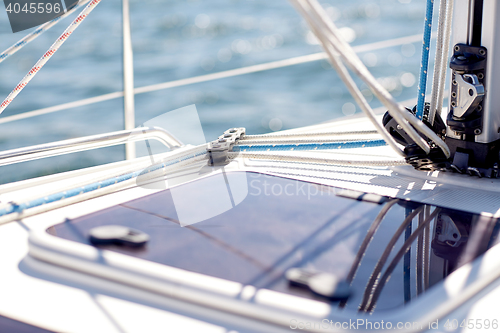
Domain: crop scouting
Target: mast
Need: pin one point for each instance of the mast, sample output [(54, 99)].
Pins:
[(473, 120)]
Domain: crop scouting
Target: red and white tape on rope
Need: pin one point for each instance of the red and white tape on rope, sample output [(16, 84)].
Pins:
[(43, 60)]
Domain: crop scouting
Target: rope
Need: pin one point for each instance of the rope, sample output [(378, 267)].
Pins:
[(55, 197), (314, 160), (438, 63), (444, 67), (407, 263), (441, 62), (374, 278), (35, 34), (427, 235), (420, 258), (366, 242), (330, 38), (293, 135), (424, 65), (310, 146), (290, 141), (328, 34), (43, 60), (333, 50), (404, 249)]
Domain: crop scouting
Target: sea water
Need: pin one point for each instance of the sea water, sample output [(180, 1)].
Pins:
[(177, 39)]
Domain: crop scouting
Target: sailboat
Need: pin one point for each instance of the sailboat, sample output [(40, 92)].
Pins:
[(385, 223)]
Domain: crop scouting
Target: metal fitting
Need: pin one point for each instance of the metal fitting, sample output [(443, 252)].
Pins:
[(218, 149)]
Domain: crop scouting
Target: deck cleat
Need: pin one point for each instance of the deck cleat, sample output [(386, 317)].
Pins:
[(322, 284), (118, 235)]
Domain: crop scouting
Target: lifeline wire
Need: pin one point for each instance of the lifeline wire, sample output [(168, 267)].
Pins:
[(209, 77), (424, 65), (35, 34), (43, 60)]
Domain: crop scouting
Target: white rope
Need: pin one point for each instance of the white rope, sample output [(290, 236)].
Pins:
[(43, 60), (269, 136), (35, 34), (320, 19), (314, 160), (440, 64), (444, 59), (247, 142), (358, 67), (327, 34), (349, 82), (436, 77)]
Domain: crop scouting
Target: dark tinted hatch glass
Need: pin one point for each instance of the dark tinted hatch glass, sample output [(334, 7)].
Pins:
[(255, 227)]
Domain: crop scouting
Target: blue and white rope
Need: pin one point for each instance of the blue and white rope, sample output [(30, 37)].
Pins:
[(310, 146), (19, 208), (424, 65)]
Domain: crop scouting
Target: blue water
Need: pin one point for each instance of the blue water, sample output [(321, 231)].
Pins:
[(179, 39)]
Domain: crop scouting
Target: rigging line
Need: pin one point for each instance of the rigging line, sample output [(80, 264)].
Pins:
[(438, 63), (374, 278), (407, 262), (420, 256), (54, 197), (293, 135), (314, 160), (35, 34), (397, 110), (293, 141), (210, 77), (309, 146), (105, 174), (93, 193), (424, 65), (427, 235), (446, 47), (404, 249), (364, 245), (336, 62), (401, 115), (329, 36), (50, 52)]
